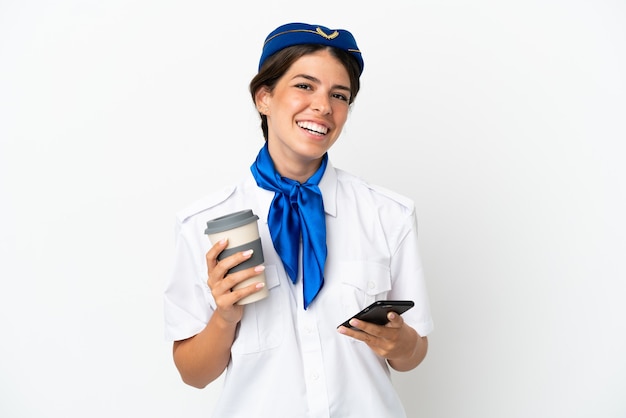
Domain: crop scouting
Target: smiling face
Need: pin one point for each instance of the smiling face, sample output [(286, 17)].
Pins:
[(306, 112)]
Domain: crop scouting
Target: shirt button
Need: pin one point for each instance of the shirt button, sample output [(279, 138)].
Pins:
[(371, 285), (308, 329), (315, 376)]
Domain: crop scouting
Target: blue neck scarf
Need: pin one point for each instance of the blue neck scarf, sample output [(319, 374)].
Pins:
[(296, 210)]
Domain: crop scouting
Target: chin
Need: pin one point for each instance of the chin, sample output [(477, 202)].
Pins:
[(316, 148)]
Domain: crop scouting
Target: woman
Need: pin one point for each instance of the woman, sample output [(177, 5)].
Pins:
[(332, 245)]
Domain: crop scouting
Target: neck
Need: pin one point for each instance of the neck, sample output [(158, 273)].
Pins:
[(296, 172), (296, 168)]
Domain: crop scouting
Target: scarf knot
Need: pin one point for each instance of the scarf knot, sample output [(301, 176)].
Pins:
[(294, 193), (297, 211)]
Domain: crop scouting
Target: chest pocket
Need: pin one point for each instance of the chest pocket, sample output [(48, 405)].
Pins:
[(362, 283), (262, 324)]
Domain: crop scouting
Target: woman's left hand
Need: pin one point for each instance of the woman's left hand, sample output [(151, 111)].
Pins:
[(400, 344)]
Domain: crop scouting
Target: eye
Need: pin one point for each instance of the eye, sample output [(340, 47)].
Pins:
[(303, 86), (341, 96)]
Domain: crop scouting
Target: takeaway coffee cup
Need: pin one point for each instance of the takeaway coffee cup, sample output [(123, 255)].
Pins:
[(242, 232)]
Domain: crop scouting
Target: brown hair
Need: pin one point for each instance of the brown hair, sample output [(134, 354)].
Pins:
[(277, 65)]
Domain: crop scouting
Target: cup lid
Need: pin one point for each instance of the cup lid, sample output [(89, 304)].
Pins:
[(230, 221)]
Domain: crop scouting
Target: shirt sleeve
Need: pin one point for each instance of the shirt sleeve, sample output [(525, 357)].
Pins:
[(408, 281), (188, 303)]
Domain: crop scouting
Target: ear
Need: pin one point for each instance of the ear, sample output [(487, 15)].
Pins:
[(263, 99)]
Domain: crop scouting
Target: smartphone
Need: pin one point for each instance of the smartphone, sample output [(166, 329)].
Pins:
[(377, 312)]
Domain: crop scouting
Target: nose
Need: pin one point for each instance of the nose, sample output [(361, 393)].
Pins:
[(321, 103)]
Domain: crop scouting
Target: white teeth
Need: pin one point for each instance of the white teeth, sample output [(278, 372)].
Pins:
[(314, 127)]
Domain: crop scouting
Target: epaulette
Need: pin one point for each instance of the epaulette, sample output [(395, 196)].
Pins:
[(205, 203), (402, 200), (397, 197)]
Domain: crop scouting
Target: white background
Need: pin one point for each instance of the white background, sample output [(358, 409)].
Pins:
[(503, 120)]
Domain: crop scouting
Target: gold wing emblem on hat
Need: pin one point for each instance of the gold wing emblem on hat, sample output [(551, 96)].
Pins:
[(331, 36)]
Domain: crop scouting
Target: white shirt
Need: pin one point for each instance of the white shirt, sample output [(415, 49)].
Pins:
[(287, 362)]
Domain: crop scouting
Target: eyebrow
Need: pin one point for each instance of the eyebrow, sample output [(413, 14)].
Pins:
[(316, 80)]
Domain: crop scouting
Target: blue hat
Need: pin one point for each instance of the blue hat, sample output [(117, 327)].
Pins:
[(303, 33)]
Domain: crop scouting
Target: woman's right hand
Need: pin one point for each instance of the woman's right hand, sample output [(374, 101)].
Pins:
[(203, 358), (221, 283)]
